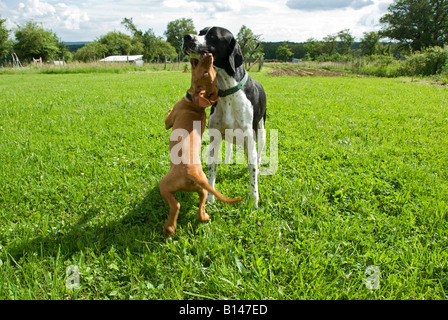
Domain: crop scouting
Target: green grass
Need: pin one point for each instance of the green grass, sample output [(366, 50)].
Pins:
[(93, 67), (362, 180)]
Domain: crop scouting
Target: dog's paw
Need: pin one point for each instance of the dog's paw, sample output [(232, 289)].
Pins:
[(169, 231), (203, 217)]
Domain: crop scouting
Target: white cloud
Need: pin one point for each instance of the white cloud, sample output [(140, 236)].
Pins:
[(72, 17), (275, 20), (58, 16), (370, 20), (36, 9), (315, 5), (219, 6), (174, 3)]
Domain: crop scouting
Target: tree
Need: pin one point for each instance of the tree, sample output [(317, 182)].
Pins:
[(130, 26), (91, 52), (153, 46), (32, 41), (4, 36), (346, 40), (330, 44), (284, 51), (118, 43), (417, 24), (176, 30), (150, 43), (64, 53), (370, 43), (163, 49), (138, 37), (250, 44), (313, 49)]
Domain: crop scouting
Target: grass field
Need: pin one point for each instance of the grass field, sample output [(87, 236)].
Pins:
[(362, 181)]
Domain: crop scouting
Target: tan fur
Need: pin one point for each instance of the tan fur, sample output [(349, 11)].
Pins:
[(188, 175)]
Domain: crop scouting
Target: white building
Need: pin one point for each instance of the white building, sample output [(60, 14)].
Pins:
[(137, 59)]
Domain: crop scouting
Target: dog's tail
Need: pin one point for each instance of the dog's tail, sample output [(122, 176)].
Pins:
[(204, 184)]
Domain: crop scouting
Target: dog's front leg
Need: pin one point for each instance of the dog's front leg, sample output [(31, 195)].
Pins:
[(213, 154), (261, 141), (212, 167), (251, 153)]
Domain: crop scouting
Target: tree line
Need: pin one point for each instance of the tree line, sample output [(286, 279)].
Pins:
[(410, 26), (333, 47), (33, 41)]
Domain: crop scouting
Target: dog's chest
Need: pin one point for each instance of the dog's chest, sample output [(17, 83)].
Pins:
[(233, 111)]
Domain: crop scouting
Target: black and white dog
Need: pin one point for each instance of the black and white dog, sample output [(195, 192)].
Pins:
[(243, 100)]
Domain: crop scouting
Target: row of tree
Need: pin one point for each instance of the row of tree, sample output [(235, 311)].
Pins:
[(334, 46), (33, 41), (142, 42), (413, 25)]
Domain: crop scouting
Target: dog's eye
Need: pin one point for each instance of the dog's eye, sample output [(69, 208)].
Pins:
[(206, 74)]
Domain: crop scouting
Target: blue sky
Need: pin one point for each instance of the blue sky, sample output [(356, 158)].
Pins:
[(292, 20)]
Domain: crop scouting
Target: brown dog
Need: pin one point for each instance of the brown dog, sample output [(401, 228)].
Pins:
[(186, 171)]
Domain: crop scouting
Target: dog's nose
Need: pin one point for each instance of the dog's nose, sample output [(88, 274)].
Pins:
[(188, 37)]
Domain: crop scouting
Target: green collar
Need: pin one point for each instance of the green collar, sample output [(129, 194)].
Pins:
[(228, 92)]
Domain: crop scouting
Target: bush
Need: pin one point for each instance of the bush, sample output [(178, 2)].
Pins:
[(336, 57), (431, 61), (376, 65)]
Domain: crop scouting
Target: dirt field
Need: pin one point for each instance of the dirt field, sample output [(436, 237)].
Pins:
[(302, 72)]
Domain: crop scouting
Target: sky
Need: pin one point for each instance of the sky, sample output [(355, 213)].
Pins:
[(281, 20)]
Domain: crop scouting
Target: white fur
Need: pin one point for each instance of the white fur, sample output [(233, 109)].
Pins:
[(235, 111)]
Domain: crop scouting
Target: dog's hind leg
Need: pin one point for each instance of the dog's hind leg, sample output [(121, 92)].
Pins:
[(171, 222), (202, 215), (168, 195)]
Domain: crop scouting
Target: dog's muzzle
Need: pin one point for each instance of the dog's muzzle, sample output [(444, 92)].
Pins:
[(192, 47)]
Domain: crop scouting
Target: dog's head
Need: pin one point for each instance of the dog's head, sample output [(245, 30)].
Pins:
[(203, 90), (218, 41)]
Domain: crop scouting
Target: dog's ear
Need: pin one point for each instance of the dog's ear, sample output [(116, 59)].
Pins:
[(200, 100), (235, 56), (194, 63), (214, 97), (204, 31)]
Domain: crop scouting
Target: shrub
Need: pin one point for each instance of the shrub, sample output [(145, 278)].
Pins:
[(336, 57), (430, 61), (376, 65)]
